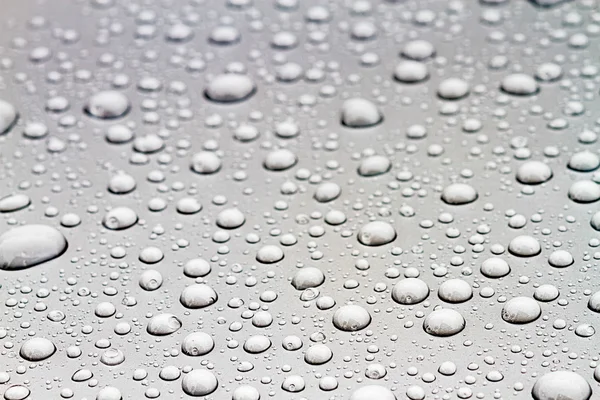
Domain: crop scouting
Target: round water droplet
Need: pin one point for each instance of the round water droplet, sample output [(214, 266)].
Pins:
[(121, 183), (534, 173), (351, 318), (444, 322), (108, 104), (151, 280), (196, 267), (257, 344), (230, 88), (318, 354), (374, 165), (495, 268), (584, 161), (411, 72), (230, 218), (205, 163), (455, 291), (280, 160), (360, 113), (453, 89), (119, 134), (419, 50), (199, 382), (519, 85), (521, 310), (548, 72), (163, 324), (246, 392), (120, 218), (559, 385), (112, 357), (197, 344), (372, 392), (37, 349), (327, 192), (293, 384), (269, 254), (594, 302), (198, 296), (585, 191), (458, 194), (308, 277), (524, 246), (560, 259), (376, 233), (546, 293), (410, 291)]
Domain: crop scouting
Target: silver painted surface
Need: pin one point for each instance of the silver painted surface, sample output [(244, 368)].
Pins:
[(76, 180)]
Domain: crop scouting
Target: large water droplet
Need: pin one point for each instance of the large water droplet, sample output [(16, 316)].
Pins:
[(199, 382), (230, 88), (410, 291), (561, 385), (444, 322), (372, 392), (459, 194), (351, 318), (37, 349), (521, 310), (163, 324), (8, 116), (108, 104), (360, 113), (376, 233), (30, 245)]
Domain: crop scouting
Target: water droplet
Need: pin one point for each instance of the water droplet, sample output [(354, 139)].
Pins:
[(108, 104), (163, 324), (455, 291), (376, 233), (351, 318), (559, 385), (459, 194), (444, 322), (205, 163), (14, 202), (120, 218), (521, 310), (8, 116), (585, 191), (519, 85), (410, 291), (230, 88), (30, 245), (37, 349), (534, 173), (198, 296), (197, 344), (524, 246), (360, 113), (371, 392)]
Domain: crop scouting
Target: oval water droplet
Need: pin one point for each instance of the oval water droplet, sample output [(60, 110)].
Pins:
[(30, 245)]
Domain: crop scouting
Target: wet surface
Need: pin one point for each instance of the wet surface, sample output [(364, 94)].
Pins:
[(299, 200)]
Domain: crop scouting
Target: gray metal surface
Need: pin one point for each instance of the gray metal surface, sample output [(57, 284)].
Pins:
[(93, 45)]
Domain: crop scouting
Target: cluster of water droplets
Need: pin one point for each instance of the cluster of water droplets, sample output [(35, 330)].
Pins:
[(364, 200)]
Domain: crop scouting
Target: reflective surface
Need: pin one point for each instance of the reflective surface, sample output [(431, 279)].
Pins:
[(299, 200)]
